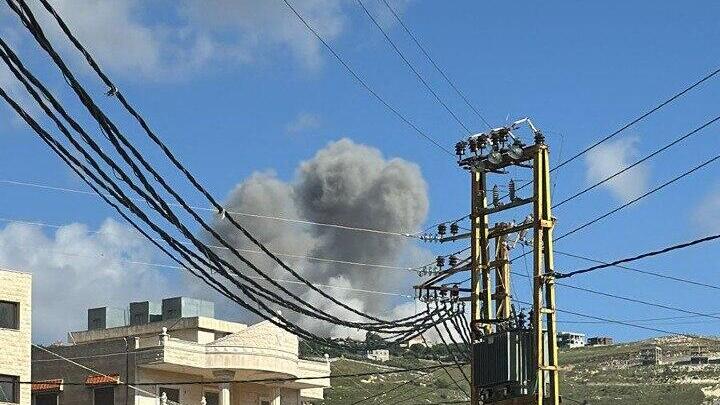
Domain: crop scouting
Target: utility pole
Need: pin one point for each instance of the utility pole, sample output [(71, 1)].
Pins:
[(511, 363)]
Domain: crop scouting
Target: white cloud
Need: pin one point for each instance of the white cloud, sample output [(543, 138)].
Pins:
[(76, 269), (706, 215), (609, 158), (159, 42), (303, 122)]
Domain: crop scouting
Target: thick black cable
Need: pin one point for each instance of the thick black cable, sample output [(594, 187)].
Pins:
[(176, 162), (113, 129), (638, 119), (640, 256), (650, 156), (450, 351), (435, 65), (50, 98), (646, 272), (410, 65)]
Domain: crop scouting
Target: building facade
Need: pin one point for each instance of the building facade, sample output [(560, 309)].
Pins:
[(571, 339), (378, 354), (600, 341), (179, 353), (15, 336)]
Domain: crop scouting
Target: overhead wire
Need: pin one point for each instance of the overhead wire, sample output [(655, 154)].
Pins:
[(435, 65), (644, 159), (412, 68), (362, 82), (639, 118), (117, 94)]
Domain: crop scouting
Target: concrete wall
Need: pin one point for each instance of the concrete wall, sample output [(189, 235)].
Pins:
[(107, 357), (15, 344)]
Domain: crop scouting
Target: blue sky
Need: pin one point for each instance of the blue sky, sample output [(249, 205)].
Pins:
[(255, 92)]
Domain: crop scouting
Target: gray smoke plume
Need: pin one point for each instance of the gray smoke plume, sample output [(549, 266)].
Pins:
[(344, 183)]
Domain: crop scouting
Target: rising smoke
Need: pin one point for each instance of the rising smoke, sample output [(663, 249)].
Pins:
[(344, 183)]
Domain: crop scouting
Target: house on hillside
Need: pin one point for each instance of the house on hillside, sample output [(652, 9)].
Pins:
[(571, 339), (378, 354), (600, 341), (168, 350), (650, 355)]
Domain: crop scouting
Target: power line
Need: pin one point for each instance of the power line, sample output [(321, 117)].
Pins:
[(640, 256), (636, 199), (363, 83), (638, 119), (655, 153), (647, 272), (437, 67), (208, 209), (289, 255), (410, 65)]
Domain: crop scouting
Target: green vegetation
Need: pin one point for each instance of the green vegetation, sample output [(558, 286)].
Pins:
[(601, 375)]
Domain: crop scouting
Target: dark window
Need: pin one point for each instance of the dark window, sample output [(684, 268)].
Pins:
[(46, 399), (264, 402), (9, 389), (105, 396), (9, 314), (212, 398), (173, 395)]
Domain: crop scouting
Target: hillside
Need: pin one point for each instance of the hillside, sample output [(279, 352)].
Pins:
[(600, 375)]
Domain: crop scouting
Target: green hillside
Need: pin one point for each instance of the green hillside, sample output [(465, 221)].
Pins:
[(600, 375)]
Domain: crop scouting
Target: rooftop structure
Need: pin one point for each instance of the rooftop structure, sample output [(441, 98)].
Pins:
[(156, 355)]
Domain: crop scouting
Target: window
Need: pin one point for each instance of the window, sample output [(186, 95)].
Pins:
[(212, 398), (9, 389), (264, 402), (104, 396), (172, 394), (9, 315), (46, 399)]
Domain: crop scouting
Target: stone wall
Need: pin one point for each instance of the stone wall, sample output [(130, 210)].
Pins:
[(15, 344)]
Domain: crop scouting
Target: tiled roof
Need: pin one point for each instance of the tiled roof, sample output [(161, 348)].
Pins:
[(47, 385), (99, 379)]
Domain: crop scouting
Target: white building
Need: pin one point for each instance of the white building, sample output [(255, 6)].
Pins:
[(378, 354), (243, 365), (15, 336), (571, 339)]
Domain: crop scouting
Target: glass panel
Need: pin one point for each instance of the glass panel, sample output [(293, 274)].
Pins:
[(9, 315), (173, 395), (105, 396), (9, 389), (212, 398), (46, 399)]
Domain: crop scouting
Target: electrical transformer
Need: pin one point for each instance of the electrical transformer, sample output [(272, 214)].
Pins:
[(504, 364)]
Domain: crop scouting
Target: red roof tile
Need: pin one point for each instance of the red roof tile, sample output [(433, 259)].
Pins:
[(47, 385), (99, 379)]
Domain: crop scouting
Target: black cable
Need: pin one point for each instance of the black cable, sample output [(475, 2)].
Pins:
[(653, 154), (641, 256), (264, 380), (169, 154), (646, 272), (451, 352), (638, 119), (59, 108), (435, 65), (410, 65)]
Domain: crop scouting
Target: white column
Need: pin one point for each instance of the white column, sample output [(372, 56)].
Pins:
[(276, 396), (225, 394)]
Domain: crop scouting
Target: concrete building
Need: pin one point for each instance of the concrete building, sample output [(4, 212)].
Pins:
[(378, 354), (600, 341), (571, 339), (15, 336), (699, 355), (179, 342), (650, 355)]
